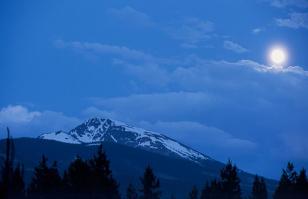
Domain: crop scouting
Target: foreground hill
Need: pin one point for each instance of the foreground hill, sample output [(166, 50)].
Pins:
[(177, 175)]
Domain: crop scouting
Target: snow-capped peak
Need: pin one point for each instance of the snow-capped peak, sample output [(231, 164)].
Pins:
[(97, 130)]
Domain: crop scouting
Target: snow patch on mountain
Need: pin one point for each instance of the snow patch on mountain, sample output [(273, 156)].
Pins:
[(60, 136)]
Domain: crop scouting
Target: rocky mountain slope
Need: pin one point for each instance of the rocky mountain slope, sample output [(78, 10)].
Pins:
[(97, 130)]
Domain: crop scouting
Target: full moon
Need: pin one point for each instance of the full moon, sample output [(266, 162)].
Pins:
[(278, 56)]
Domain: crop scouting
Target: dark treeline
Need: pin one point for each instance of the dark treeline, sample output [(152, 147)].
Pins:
[(83, 179), (291, 185), (92, 179)]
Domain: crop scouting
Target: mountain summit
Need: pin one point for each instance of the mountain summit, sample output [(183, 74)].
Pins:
[(96, 130)]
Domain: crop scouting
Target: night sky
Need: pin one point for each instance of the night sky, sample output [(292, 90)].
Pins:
[(198, 71)]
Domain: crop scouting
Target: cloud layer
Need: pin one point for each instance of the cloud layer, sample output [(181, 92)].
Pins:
[(286, 3), (131, 15), (24, 122), (190, 72), (295, 20), (230, 45), (191, 31)]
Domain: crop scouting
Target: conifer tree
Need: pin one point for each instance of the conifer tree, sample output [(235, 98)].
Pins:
[(301, 186), (39, 182), (291, 173), (11, 181), (78, 177), (212, 191), (259, 190), (65, 183), (230, 182), (103, 182), (18, 184), (7, 168), (55, 181), (131, 192), (286, 185), (150, 185), (91, 178), (193, 194), (46, 181)]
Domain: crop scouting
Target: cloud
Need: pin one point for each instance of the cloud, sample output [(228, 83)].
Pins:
[(257, 31), (150, 106), (295, 21), (100, 49), (145, 67), (296, 145), (25, 122), (286, 3), (202, 137), (131, 15), (191, 31), (182, 72), (269, 69), (230, 45), (17, 114), (148, 72)]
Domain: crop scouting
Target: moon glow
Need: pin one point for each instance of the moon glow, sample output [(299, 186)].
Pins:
[(278, 56)]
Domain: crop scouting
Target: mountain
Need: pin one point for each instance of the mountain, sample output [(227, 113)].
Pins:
[(97, 130), (130, 150)]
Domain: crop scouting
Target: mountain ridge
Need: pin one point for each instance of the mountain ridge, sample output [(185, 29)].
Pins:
[(96, 130)]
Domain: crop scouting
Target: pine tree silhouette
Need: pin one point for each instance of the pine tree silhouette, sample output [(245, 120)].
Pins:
[(66, 187), (18, 184), (230, 182), (193, 194), (228, 187), (39, 180), (12, 182), (259, 190), (7, 168), (131, 192), (301, 186), (78, 178), (103, 182), (46, 181), (91, 179), (286, 185), (150, 185), (212, 191), (55, 180)]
